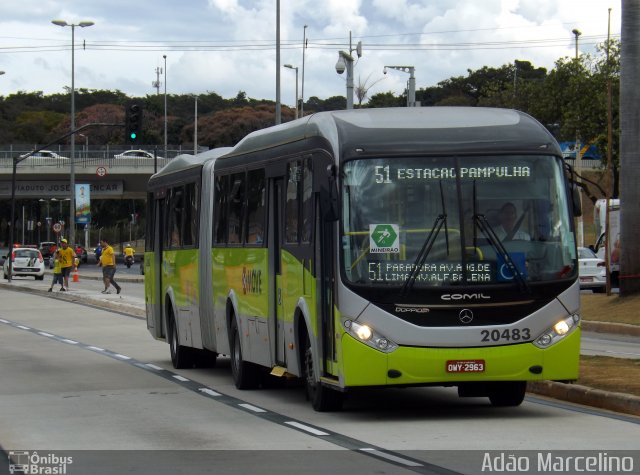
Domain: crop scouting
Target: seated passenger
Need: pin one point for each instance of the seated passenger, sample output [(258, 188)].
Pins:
[(508, 220)]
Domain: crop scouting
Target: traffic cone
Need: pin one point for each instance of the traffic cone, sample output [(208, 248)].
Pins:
[(76, 277)]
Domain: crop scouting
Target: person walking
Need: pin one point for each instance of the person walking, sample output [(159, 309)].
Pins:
[(108, 263), (67, 258), (57, 272)]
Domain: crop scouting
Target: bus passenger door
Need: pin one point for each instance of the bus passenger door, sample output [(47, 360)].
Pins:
[(153, 267), (275, 267)]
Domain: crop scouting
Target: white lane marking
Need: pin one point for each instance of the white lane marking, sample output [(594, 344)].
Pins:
[(122, 357), (252, 408), (45, 334), (71, 342), (23, 327), (209, 392), (152, 366), (180, 378), (311, 430), (2, 320), (393, 458), (95, 348)]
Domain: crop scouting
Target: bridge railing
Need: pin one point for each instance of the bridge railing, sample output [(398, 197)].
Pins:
[(60, 164)]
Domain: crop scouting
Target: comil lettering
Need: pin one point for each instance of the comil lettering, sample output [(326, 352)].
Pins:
[(476, 296)]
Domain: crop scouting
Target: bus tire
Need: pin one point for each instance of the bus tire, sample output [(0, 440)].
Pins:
[(323, 398), (507, 393), (181, 356), (245, 374)]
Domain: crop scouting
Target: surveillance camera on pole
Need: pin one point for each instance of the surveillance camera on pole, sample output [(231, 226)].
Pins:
[(345, 62)]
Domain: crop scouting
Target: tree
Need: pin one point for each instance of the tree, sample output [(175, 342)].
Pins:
[(362, 88), (386, 99)]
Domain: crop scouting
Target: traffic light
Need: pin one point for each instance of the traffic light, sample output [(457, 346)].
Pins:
[(133, 122)]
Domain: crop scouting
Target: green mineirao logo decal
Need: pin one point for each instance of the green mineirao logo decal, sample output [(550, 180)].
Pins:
[(384, 238)]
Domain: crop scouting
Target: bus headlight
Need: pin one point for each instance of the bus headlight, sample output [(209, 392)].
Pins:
[(557, 332), (368, 336)]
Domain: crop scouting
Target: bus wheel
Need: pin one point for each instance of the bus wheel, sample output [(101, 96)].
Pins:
[(245, 374), (323, 399), (181, 356), (508, 393)]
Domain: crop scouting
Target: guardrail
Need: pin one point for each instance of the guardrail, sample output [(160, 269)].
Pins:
[(37, 164)]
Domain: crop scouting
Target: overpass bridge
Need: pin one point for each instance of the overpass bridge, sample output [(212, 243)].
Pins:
[(108, 177)]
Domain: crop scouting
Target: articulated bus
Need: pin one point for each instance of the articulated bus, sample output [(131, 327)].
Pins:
[(372, 248)]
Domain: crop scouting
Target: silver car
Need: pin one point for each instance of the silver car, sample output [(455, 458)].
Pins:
[(26, 261), (592, 271)]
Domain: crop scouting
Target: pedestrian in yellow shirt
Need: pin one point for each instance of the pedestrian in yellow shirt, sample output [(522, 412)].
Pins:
[(67, 258), (108, 263)]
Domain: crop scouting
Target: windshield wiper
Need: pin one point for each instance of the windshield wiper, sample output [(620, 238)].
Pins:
[(422, 255), (496, 243), (427, 245)]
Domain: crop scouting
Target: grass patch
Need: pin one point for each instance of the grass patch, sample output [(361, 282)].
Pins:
[(610, 374), (614, 309)]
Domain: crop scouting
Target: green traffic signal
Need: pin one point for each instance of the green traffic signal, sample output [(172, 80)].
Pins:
[(133, 121)]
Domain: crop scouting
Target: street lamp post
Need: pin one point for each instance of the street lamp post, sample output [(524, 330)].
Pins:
[(304, 47), (411, 90), (165, 105), (578, 146), (86, 145), (195, 128), (72, 178), (296, 69)]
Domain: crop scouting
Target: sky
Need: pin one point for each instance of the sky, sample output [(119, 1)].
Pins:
[(227, 46)]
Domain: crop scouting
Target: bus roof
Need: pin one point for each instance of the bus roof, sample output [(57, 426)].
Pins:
[(187, 161), (430, 129)]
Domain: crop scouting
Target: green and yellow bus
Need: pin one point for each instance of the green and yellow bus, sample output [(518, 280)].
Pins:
[(372, 248)]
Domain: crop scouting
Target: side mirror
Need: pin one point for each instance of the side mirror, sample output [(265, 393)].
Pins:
[(575, 197)]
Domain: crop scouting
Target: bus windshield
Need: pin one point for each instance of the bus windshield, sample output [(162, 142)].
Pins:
[(421, 222)]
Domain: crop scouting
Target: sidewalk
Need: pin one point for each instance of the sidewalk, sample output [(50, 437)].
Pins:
[(575, 393), (125, 302)]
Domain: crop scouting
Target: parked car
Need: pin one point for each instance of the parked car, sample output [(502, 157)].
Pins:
[(44, 154), (592, 270), (47, 248), (135, 154), (26, 261)]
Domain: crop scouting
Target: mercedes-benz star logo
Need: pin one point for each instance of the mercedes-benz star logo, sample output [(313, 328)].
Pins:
[(465, 315)]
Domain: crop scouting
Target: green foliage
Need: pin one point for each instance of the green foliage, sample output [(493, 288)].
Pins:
[(570, 100)]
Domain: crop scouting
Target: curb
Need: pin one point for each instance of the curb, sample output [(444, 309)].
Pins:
[(612, 401), (123, 307), (616, 328)]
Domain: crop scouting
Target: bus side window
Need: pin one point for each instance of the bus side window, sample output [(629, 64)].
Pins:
[(292, 200), (190, 215), (220, 207), (255, 207), (307, 202), (236, 203), (176, 207)]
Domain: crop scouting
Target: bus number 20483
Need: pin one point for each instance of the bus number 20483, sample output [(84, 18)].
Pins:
[(514, 334)]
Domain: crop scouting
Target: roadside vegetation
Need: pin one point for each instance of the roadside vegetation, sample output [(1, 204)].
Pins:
[(604, 372), (614, 309)]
